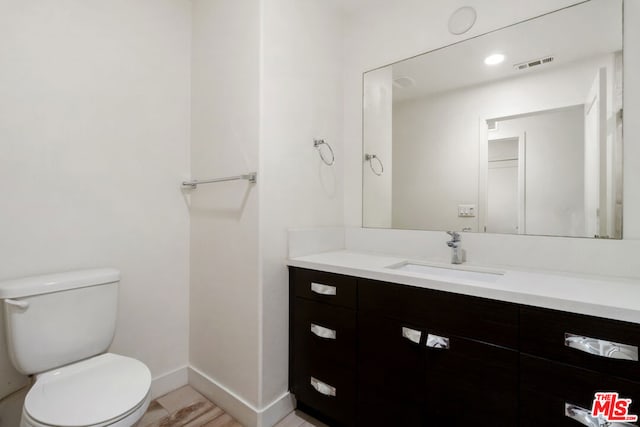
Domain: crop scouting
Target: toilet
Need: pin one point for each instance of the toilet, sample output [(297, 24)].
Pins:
[(58, 328)]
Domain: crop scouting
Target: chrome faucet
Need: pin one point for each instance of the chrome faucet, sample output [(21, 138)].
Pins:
[(457, 253)]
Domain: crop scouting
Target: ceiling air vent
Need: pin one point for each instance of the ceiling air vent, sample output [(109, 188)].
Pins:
[(534, 63)]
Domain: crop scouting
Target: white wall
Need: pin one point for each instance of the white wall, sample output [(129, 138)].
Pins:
[(225, 310), (94, 140), (267, 80), (301, 89), (378, 132), (554, 170)]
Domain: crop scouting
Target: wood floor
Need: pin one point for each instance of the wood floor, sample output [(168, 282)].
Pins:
[(186, 407)]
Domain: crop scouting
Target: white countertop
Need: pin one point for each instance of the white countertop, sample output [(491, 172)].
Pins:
[(613, 298)]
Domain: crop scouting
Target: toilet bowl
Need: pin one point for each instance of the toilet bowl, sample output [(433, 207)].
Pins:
[(58, 329)]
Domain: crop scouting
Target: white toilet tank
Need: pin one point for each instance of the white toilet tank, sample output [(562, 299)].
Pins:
[(57, 319)]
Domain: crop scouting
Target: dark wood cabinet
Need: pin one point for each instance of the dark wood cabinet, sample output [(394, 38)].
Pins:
[(370, 353), (322, 360), (439, 356)]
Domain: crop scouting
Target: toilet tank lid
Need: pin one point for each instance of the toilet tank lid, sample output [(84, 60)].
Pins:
[(56, 282)]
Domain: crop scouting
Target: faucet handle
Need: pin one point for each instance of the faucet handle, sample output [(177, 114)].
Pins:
[(454, 235)]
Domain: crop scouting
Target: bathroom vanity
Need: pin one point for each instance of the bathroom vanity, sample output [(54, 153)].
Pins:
[(528, 144), (375, 344)]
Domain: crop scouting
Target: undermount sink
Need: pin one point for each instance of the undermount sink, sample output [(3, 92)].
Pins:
[(448, 272)]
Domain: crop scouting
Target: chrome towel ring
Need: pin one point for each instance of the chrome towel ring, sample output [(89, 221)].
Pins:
[(317, 143), (369, 158)]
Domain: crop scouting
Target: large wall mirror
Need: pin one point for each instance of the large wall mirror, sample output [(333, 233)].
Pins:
[(516, 131)]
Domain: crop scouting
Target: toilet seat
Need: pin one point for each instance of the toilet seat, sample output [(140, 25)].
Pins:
[(106, 390)]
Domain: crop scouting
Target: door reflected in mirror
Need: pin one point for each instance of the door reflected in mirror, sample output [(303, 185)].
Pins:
[(531, 144)]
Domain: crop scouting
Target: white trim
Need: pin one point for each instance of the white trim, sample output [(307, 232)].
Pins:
[(276, 410), (243, 411), (483, 176), (170, 381), (522, 184)]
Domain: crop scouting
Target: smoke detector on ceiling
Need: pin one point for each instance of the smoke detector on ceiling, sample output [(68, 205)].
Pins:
[(462, 20), (534, 63)]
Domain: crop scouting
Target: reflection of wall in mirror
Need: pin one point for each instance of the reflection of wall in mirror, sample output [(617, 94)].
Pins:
[(376, 196), (435, 139), (554, 169)]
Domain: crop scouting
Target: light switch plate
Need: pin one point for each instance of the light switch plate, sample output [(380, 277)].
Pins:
[(466, 211)]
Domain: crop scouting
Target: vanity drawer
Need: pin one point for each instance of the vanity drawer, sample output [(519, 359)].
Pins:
[(480, 319), (551, 393), (325, 287), (327, 390), (585, 341), (324, 334)]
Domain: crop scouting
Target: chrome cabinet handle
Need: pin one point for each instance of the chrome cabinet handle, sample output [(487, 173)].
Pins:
[(581, 415), (20, 304), (411, 334), (584, 417), (321, 289), (323, 332), (435, 341), (323, 388), (602, 348)]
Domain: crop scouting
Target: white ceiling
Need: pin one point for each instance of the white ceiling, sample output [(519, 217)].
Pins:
[(352, 6), (583, 31)]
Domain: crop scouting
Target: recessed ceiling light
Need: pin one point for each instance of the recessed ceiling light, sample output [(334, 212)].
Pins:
[(494, 59)]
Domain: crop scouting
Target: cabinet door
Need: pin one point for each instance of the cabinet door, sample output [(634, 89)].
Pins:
[(470, 383), (391, 370)]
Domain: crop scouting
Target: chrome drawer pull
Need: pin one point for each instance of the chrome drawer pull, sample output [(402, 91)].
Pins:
[(323, 332), (581, 415), (321, 289), (584, 417), (602, 348), (323, 388), (435, 341), (411, 334)]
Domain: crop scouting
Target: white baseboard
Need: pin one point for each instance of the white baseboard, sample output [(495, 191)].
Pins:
[(243, 411), (247, 414), (170, 381), (276, 410)]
